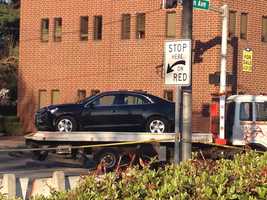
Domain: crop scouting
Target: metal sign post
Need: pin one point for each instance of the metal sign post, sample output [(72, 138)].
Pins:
[(177, 126), (177, 68), (187, 92)]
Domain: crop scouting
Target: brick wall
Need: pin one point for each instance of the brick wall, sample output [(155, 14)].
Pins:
[(113, 63)]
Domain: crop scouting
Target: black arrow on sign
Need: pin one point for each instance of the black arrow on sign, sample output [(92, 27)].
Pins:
[(179, 62)]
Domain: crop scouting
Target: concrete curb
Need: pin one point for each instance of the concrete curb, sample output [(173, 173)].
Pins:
[(24, 188)]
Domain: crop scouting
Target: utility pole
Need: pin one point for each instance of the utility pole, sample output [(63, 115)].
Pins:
[(187, 91), (225, 14)]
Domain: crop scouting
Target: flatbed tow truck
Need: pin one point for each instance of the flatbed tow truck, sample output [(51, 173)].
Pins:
[(108, 146), (245, 122)]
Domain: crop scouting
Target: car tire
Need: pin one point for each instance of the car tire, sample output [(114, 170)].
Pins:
[(66, 124), (109, 157), (157, 125)]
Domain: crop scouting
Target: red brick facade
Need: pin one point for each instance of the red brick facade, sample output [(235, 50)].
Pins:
[(134, 64)]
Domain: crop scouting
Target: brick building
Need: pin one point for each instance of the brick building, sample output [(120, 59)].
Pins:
[(69, 49)]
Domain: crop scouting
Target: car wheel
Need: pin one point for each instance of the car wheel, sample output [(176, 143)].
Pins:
[(157, 125), (108, 157), (66, 124)]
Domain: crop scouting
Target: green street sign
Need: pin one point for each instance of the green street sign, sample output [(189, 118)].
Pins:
[(201, 4)]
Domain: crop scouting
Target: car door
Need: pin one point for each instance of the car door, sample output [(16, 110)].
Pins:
[(101, 113), (134, 107), (260, 130), (244, 123), (230, 119)]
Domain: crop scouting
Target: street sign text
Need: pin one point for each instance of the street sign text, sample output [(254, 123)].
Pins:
[(177, 64), (201, 4)]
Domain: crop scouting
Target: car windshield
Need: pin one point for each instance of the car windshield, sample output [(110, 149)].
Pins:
[(86, 99)]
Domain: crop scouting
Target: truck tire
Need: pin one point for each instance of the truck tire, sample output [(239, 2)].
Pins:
[(40, 155), (147, 152), (109, 157)]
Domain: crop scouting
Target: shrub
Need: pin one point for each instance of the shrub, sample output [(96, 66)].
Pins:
[(10, 125), (244, 177)]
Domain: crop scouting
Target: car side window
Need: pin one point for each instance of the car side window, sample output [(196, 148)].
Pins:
[(134, 100), (105, 100)]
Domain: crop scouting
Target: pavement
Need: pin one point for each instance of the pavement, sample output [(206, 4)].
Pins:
[(11, 142)]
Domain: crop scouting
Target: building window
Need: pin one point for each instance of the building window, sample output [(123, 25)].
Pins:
[(84, 28), (44, 30), (94, 92), (243, 25), (98, 27), (57, 29), (171, 24), (81, 95), (264, 29), (232, 24), (126, 26), (55, 97), (140, 25), (139, 90), (168, 94), (42, 98)]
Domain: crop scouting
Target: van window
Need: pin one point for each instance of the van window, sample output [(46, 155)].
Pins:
[(246, 111), (261, 111)]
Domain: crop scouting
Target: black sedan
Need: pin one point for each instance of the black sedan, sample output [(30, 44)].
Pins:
[(110, 111)]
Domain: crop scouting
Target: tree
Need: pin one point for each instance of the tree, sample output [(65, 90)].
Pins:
[(8, 79), (9, 30), (9, 41), (15, 4)]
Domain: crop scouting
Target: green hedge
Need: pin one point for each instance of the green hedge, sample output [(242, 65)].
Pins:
[(10, 125), (8, 110), (243, 178)]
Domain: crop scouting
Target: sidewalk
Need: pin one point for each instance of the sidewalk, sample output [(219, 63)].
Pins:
[(11, 141)]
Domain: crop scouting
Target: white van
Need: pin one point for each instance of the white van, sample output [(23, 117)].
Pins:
[(246, 120)]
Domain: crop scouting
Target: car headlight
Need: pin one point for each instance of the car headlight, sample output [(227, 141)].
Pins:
[(52, 111)]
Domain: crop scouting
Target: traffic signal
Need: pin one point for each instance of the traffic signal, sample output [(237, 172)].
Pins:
[(170, 4)]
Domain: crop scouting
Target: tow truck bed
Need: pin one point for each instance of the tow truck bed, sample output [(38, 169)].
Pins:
[(109, 137)]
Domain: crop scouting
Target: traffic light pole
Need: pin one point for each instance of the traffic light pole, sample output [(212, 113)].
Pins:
[(187, 91)]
